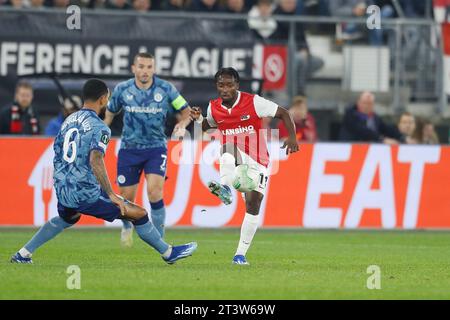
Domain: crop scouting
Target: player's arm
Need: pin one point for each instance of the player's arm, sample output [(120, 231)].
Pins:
[(290, 143), (184, 120), (109, 116), (99, 169), (266, 108), (207, 123), (181, 106), (114, 105)]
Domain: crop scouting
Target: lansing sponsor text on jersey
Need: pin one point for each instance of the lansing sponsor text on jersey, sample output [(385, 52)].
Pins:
[(249, 129), (136, 109)]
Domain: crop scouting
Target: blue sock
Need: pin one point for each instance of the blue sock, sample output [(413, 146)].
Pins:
[(150, 235), (47, 232), (158, 216), (127, 224)]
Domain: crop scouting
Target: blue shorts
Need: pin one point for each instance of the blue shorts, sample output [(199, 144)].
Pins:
[(103, 208), (132, 162)]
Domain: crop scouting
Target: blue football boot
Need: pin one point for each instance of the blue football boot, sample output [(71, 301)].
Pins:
[(240, 259), (180, 252), (17, 258)]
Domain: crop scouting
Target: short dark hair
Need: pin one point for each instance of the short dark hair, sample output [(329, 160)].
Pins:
[(227, 72), (93, 89), (266, 2), (23, 84), (407, 113), (143, 55)]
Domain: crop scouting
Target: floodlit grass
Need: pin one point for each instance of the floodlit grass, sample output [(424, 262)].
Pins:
[(284, 265)]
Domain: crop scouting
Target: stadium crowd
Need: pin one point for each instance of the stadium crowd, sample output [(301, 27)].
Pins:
[(360, 122), (411, 8)]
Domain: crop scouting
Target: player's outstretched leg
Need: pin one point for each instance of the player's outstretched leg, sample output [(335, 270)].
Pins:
[(158, 214), (222, 191), (126, 234), (47, 232), (229, 158), (149, 234), (249, 226), (155, 187)]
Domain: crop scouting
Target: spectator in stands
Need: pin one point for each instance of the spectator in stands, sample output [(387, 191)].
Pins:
[(429, 135), (20, 117), (235, 6), (117, 5), (142, 5), (97, 4), (307, 63), (68, 107), (62, 4), (174, 5), (17, 4), (36, 4), (387, 11), (407, 127), (425, 132), (305, 123), (238, 7), (360, 123), (416, 8), (260, 19), (314, 7), (357, 9), (206, 6)]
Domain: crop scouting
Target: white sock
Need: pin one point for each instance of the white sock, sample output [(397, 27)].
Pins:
[(227, 166), (248, 230), (167, 253), (25, 253)]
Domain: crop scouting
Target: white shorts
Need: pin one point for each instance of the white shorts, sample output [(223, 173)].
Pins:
[(262, 172)]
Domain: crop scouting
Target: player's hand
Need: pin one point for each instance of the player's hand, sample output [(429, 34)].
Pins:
[(291, 145), (120, 202), (195, 113)]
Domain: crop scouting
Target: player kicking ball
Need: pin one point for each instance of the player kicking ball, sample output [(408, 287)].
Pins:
[(82, 184), (244, 157)]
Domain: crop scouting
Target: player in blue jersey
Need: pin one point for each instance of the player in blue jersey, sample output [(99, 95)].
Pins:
[(82, 185), (146, 101)]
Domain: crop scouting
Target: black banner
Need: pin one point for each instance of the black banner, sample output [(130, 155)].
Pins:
[(189, 52)]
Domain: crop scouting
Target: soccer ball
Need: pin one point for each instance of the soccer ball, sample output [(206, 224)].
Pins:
[(245, 178)]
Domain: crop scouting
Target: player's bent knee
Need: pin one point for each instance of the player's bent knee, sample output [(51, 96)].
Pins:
[(155, 194), (72, 219), (142, 220)]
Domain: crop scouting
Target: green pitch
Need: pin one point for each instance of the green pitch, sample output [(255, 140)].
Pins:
[(284, 265)]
